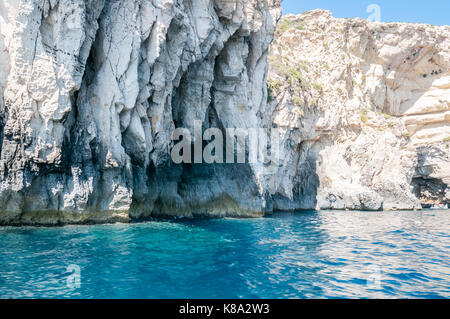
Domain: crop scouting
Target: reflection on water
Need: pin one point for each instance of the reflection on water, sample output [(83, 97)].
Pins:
[(302, 255)]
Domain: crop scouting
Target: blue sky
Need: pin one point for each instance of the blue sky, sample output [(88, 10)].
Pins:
[(424, 11)]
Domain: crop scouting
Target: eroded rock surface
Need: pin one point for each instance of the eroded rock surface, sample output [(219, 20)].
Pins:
[(365, 107), (91, 91)]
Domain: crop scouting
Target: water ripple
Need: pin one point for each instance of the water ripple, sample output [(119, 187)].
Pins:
[(302, 255)]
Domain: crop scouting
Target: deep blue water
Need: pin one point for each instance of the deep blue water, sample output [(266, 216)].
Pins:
[(301, 255)]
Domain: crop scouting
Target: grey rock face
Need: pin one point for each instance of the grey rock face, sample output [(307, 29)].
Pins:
[(91, 92)]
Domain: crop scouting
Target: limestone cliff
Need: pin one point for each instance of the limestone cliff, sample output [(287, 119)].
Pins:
[(366, 112), (91, 91)]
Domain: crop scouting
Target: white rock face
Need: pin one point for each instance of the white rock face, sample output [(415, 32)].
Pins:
[(366, 112), (91, 91)]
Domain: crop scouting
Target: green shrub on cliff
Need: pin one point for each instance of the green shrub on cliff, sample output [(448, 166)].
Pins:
[(363, 115)]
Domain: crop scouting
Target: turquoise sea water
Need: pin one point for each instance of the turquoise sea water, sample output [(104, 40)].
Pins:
[(301, 255)]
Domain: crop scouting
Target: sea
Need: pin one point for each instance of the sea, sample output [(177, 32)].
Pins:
[(302, 255)]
